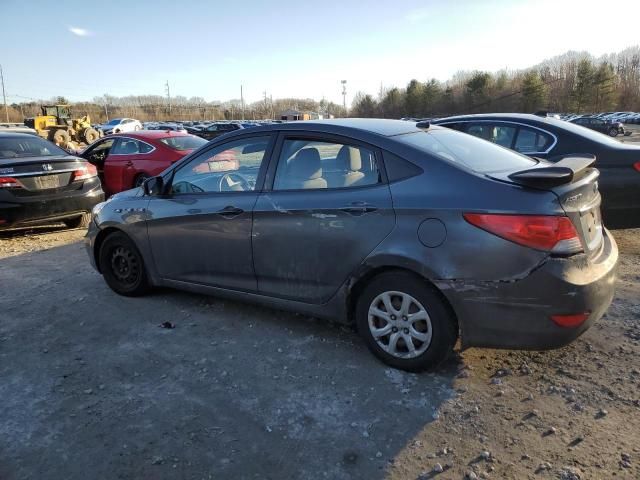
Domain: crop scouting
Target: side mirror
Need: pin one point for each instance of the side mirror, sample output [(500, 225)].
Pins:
[(153, 186)]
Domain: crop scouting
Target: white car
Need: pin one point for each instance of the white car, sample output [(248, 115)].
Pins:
[(119, 125)]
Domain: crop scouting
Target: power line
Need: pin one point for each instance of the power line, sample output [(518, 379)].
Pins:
[(4, 96)]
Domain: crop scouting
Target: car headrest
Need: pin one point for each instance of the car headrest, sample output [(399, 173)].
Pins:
[(349, 159), (306, 164)]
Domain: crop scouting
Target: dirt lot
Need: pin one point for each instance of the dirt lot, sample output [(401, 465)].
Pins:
[(92, 387)]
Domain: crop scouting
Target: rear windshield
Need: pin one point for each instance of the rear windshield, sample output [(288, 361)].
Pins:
[(587, 133), (472, 152), (28, 146), (186, 142)]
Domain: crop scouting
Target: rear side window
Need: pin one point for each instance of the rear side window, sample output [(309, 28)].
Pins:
[(531, 141), (474, 153), (189, 142)]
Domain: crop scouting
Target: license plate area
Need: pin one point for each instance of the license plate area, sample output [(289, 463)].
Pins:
[(591, 222), (46, 182)]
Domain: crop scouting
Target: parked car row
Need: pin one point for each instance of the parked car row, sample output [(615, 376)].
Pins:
[(621, 117)]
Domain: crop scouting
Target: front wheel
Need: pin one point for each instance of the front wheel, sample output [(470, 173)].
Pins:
[(613, 132), (122, 266), (405, 322)]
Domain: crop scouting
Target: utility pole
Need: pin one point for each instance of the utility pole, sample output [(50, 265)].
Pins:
[(242, 101), (344, 95), (166, 86), (4, 96)]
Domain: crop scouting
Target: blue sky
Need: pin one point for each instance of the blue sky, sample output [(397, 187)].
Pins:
[(287, 48)]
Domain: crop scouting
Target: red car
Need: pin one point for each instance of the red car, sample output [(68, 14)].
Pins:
[(125, 160)]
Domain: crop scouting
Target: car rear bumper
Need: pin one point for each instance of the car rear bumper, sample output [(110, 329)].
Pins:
[(36, 210), (517, 313)]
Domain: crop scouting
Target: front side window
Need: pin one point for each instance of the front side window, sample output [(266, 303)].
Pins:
[(312, 164), (231, 167)]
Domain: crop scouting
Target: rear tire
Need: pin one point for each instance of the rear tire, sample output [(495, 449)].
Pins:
[(613, 132), (432, 332), (78, 222), (122, 266)]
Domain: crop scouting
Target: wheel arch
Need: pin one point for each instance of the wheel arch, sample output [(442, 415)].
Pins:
[(358, 283)]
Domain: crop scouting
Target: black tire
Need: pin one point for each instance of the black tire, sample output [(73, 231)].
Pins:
[(90, 135), (122, 266), (60, 137), (139, 180), (443, 326), (613, 132), (78, 222)]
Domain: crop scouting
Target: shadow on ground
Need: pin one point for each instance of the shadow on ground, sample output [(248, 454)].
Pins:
[(92, 386)]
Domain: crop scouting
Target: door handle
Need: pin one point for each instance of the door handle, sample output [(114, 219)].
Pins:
[(230, 211), (129, 163), (359, 208)]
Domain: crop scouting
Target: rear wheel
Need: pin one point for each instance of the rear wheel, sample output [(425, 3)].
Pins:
[(122, 266), (613, 132), (60, 137), (78, 222), (404, 322)]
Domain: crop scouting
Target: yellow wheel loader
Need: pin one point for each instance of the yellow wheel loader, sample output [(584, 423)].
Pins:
[(55, 124)]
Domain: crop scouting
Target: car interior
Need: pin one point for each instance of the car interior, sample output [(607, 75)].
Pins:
[(320, 165)]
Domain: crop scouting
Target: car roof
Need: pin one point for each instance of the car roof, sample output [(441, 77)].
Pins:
[(377, 126), (10, 134), (149, 134)]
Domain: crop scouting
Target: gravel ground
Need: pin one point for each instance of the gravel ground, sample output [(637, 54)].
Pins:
[(92, 387)]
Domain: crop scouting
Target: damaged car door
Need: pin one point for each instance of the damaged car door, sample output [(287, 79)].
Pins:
[(200, 228), (328, 208)]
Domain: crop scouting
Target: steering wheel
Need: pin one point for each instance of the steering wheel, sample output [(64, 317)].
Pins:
[(233, 182)]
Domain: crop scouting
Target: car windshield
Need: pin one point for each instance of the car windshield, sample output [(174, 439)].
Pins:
[(31, 146), (472, 152), (115, 121), (186, 142)]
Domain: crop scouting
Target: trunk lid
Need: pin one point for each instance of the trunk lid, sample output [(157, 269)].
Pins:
[(575, 183), (41, 175)]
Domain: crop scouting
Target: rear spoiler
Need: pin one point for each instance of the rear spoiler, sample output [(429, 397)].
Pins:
[(562, 172)]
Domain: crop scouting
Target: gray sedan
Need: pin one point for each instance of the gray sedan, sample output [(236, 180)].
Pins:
[(417, 234)]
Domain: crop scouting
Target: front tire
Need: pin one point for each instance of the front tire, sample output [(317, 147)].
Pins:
[(613, 132), (405, 322), (122, 266), (78, 222)]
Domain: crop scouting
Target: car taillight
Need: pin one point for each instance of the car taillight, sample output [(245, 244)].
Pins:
[(553, 234), (9, 182), (87, 171), (569, 321), (637, 166)]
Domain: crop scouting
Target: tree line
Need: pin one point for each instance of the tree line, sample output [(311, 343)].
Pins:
[(179, 108), (574, 82)]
